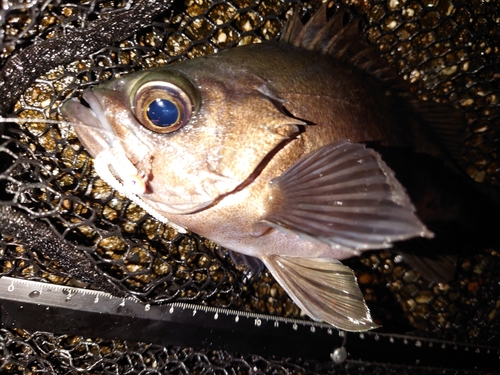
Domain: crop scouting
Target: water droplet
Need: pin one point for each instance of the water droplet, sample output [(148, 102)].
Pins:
[(34, 294), (68, 294), (339, 355)]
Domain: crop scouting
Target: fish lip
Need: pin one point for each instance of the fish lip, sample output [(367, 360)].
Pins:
[(97, 110), (87, 126), (96, 135)]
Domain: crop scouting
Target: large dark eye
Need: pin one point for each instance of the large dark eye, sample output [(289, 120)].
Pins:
[(162, 107), (163, 112)]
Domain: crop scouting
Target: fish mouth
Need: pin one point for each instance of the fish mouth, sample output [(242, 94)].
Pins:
[(101, 141), (112, 164), (86, 121)]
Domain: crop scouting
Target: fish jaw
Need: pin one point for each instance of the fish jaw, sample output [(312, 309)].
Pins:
[(212, 155), (87, 126), (111, 134), (106, 146)]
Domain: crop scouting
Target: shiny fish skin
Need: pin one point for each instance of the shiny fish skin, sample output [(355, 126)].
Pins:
[(268, 162)]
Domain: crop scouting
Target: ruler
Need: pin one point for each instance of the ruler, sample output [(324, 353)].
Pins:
[(38, 306)]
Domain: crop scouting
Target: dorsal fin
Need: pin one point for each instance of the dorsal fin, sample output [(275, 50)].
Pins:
[(341, 36)]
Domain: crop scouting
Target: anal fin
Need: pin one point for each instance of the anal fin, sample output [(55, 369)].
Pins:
[(439, 269), (434, 259), (324, 289), (447, 123)]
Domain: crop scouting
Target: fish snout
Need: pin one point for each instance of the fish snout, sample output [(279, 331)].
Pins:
[(87, 126)]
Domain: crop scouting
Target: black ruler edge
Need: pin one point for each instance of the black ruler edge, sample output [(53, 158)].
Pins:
[(418, 369), (421, 352), (60, 309), (83, 312)]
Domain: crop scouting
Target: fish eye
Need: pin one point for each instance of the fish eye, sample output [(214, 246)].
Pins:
[(163, 112), (162, 107)]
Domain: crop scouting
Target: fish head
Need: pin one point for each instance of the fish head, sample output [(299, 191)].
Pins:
[(191, 132)]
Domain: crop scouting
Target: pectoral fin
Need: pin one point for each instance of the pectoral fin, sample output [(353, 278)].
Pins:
[(344, 195), (324, 289)]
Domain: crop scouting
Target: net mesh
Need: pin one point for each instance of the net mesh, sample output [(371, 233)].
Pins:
[(447, 50)]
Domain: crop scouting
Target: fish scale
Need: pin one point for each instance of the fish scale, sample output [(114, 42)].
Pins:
[(302, 162)]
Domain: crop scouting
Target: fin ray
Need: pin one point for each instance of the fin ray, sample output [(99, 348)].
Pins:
[(324, 289), (447, 123), (341, 36), (370, 212), (434, 259)]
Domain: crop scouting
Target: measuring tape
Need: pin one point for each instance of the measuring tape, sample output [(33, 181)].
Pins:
[(59, 309)]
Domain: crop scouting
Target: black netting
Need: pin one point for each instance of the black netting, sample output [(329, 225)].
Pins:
[(447, 49)]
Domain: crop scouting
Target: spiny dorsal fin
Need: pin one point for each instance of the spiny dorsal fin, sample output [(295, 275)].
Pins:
[(341, 37), (292, 28), (344, 195), (324, 289)]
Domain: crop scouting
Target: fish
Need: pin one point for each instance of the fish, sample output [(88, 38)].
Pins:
[(301, 152)]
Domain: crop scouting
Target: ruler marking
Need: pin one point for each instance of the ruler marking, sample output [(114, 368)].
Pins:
[(258, 333)]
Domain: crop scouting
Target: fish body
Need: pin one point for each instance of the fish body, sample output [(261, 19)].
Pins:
[(259, 148)]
